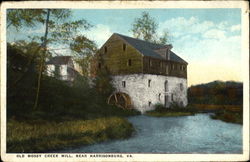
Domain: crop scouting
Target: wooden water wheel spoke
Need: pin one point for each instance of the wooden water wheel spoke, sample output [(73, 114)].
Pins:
[(116, 99), (120, 99)]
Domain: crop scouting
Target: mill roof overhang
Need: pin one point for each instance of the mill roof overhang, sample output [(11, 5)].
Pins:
[(59, 60), (148, 49)]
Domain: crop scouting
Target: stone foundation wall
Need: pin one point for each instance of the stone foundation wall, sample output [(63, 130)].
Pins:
[(146, 90)]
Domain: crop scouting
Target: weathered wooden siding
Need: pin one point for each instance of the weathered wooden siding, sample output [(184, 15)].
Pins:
[(164, 67), (120, 61)]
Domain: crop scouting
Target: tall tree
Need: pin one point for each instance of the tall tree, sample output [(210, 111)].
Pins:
[(58, 30), (145, 27), (44, 48)]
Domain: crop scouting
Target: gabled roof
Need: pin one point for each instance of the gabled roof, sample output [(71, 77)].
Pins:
[(59, 60), (148, 49)]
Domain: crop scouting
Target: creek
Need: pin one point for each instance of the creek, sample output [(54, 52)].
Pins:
[(186, 134)]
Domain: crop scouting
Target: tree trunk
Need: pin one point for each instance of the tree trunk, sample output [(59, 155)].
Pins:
[(44, 46)]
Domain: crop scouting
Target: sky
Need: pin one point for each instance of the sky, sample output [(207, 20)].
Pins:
[(208, 39)]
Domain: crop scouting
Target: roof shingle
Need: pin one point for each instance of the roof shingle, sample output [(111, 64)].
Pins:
[(148, 49)]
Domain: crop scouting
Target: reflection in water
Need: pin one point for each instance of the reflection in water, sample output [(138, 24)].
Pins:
[(189, 134)]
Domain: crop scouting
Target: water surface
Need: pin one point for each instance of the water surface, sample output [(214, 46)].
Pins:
[(188, 134)]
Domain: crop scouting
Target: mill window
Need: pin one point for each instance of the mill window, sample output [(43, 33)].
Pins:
[(124, 47), (149, 103), (159, 97), (129, 62), (123, 84), (105, 49), (181, 86), (57, 71), (166, 86), (149, 82)]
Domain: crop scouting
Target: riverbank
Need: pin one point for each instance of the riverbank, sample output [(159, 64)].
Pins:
[(228, 116), (46, 136), (226, 113), (161, 111)]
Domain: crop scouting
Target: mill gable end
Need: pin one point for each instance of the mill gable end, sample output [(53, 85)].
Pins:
[(119, 57)]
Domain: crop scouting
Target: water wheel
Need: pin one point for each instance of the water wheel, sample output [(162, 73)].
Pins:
[(120, 99)]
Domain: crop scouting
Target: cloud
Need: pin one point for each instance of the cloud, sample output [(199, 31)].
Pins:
[(214, 34), (223, 25), (213, 50), (236, 28), (181, 26)]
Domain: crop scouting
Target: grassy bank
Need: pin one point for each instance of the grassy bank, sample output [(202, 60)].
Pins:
[(40, 131), (46, 136), (173, 111), (167, 114), (229, 116), (226, 113)]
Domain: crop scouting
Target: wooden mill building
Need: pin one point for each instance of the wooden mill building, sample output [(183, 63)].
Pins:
[(144, 73)]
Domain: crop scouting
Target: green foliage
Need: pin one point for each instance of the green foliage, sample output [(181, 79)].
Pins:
[(84, 50), (43, 129), (61, 30), (217, 92), (165, 38), (103, 83), (82, 45), (57, 99), (45, 136), (161, 111), (21, 76), (229, 116), (145, 28), (24, 17)]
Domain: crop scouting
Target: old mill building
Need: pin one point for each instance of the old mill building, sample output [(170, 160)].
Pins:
[(143, 73)]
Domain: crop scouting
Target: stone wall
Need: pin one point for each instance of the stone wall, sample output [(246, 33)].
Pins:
[(146, 90)]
